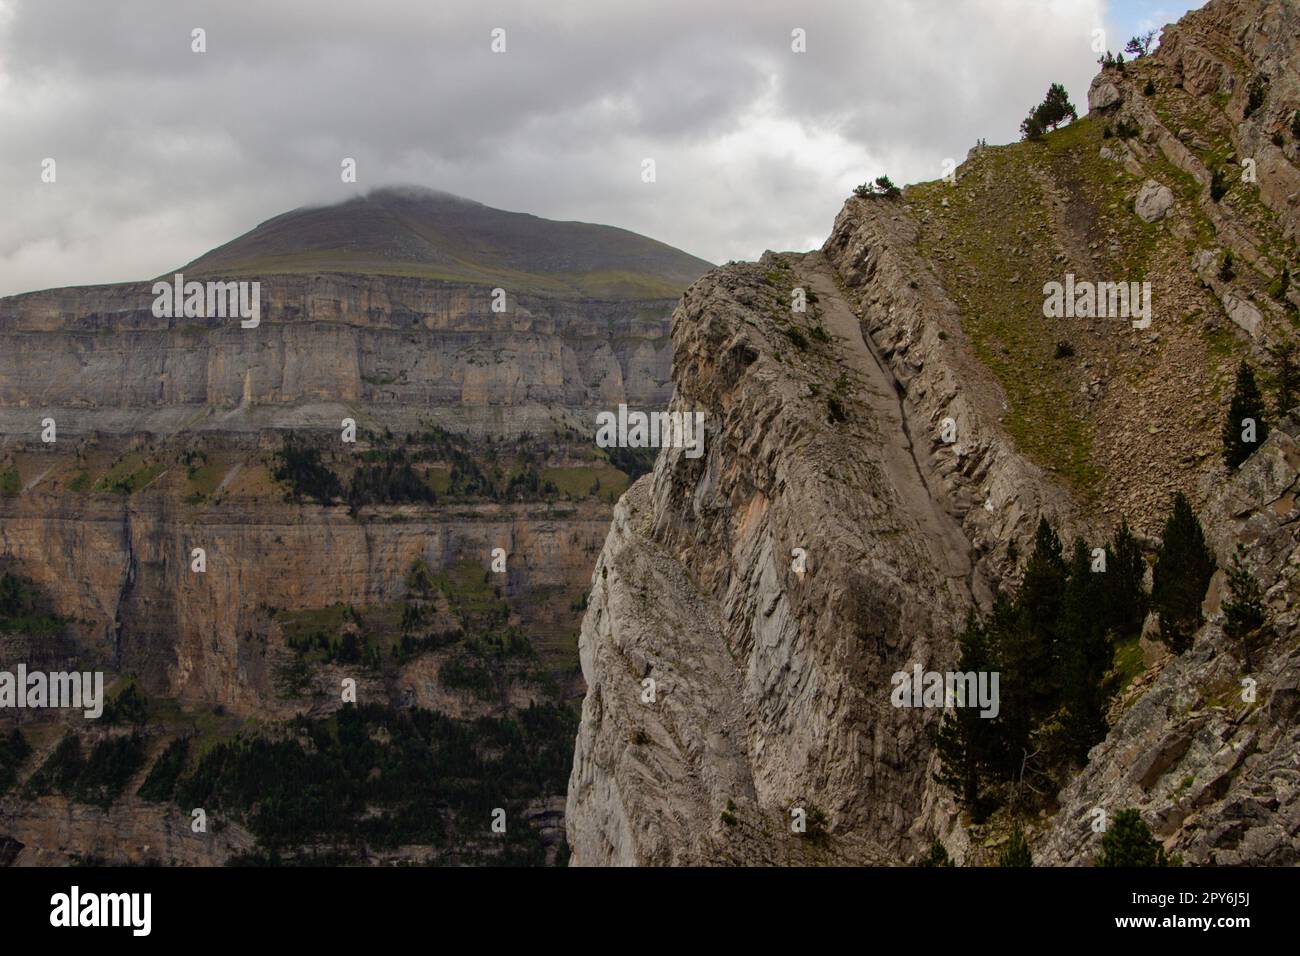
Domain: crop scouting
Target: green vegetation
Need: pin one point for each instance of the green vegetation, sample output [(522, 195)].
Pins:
[(23, 609), (599, 480), (937, 855), (996, 282), (729, 814), (382, 778), (1183, 568), (1245, 429), (1053, 646), (634, 462), (1278, 288), (1140, 45), (96, 780), (1128, 842), (1243, 612), (160, 785), (129, 475), (10, 483), (1016, 853), (439, 466), (882, 188), (1218, 184), (393, 482), (128, 707), (60, 771), (112, 763), (1286, 377), (1048, 115), (300, 467)]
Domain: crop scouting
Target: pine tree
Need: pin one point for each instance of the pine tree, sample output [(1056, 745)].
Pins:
[(1021, 662), (1140, 45), (1031, 127), (1245, 428), (963, 736), (1126, 597), (1295, 124), (1086, 654), (1243, 613), (1016, 853), (1055, 109), (1128, 842), (1040, 597), (1183, 568)]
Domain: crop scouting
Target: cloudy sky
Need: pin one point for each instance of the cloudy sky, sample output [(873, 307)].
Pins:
[(162, 153)]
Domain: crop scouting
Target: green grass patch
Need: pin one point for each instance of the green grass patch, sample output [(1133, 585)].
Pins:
[(129, 475), (600, 480), (1128, 663)]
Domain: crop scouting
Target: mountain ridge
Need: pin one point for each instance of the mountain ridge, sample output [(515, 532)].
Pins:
[(421, 233)]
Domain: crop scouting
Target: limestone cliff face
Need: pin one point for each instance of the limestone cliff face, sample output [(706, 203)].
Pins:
[(121, 571), (386, 348), (772, 685)]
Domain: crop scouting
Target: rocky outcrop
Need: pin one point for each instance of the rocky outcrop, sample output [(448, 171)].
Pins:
[(990, 487), (772, 685)]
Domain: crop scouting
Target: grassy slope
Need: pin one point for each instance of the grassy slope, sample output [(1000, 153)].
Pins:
[(1014, 213)]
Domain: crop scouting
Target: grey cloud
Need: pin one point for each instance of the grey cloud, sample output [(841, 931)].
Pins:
[(163, 153)]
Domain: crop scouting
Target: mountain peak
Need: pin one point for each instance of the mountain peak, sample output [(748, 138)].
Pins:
[(427, 233)]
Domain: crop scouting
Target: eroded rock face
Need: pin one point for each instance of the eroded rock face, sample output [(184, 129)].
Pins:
[(773, 686), (1219, 50)]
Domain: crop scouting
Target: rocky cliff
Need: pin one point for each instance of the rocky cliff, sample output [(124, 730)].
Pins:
[(903, 437)]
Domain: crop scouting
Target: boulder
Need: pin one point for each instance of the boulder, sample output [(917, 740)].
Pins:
[(1154, 200), (1103, 93)]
